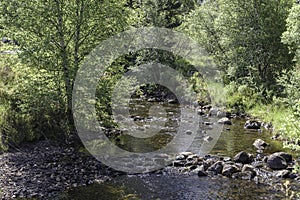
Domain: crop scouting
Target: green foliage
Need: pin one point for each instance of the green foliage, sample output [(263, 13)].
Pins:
[(241, 97), (244, 39), (30, 101), (53, 38), (291, 36), (165, 13), (291, 127), (253, 44)]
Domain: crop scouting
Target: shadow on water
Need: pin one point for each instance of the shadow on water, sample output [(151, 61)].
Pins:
[(173, 187)]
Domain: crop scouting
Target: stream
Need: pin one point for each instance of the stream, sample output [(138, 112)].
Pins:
[(233, 139)]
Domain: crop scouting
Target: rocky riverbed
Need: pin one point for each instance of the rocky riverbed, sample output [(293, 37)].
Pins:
[(44, 169), (259, 168)]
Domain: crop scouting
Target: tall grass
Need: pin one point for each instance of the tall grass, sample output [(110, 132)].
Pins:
[(284, 122)]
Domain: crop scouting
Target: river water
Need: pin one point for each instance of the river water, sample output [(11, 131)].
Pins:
[(232, 140)]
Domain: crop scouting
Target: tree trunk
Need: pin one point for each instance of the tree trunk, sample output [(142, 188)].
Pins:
[(66, 71)]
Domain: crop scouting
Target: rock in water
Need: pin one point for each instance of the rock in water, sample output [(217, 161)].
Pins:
[(276, 162), (228, 170), (216, 167), (242, 157), (252, 124), (260, 144), (225, 121), (287, 157)]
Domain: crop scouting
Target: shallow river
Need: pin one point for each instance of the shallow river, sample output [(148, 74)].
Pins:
[(233, 139)]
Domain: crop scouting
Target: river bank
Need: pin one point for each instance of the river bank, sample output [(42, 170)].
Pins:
[(43, 169)]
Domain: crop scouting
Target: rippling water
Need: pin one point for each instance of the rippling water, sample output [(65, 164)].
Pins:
[(182, 187)]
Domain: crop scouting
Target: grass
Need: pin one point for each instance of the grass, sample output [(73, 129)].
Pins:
[(283, 121), (270, 113)]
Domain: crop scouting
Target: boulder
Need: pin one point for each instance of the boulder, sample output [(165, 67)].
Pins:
[(228, 170), (242, 157), (225, 121), (226, 159), (201, 171), (260, 144), (288, 157), (276, 162), (216, 167), (267, 125), (252, 124)]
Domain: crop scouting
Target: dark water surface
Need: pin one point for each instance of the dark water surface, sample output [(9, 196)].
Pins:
[(182, 187)]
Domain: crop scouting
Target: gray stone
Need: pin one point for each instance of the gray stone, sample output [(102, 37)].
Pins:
[(225, 121), (228, 170), (242, 157), (213, 111), (288, 157), (216, 167), (260, 144), (227, 159), (201, 112), (276, 162), (282, 173), (252, 124), (172, 101)]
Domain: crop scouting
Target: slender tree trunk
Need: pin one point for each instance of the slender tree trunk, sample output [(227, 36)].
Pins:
[(66, 70)]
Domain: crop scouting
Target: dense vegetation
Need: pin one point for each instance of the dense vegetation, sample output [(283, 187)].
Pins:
[(255, 44)]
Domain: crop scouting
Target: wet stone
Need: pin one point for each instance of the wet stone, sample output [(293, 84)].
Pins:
[(242, 157), (216, 167), (282, 174), (228, 170), (259, 144), (276, 162)]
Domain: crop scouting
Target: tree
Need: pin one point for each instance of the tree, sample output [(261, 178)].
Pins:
[(244, 39), (55, 35), (291, 36)]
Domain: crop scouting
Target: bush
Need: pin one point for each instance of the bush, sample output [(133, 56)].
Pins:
[(32, 106)]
